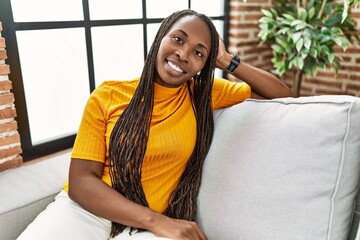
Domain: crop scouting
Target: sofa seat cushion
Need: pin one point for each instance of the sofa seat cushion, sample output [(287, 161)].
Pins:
[(282, 169)]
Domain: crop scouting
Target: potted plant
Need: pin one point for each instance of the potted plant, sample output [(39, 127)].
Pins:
[(303, 35)]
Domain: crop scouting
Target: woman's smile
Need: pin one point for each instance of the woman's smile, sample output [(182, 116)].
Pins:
[(175, 67)]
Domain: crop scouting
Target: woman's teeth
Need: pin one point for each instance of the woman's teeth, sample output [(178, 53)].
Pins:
[(176, 68)]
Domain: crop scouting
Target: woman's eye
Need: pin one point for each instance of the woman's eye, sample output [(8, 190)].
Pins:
[(178, 39), (199, 54)]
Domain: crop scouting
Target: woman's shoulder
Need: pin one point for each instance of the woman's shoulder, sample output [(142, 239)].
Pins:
[(113, 86), (119, 84), (113, 90)]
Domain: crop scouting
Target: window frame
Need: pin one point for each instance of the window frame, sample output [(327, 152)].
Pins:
[(10, 27)]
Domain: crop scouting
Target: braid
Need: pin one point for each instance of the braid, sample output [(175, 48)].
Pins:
[(128, 140), (183, 203)]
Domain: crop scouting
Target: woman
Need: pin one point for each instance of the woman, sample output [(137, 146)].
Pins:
[(136, 162)]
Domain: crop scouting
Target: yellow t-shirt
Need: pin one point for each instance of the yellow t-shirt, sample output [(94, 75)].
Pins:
[(172, 132)]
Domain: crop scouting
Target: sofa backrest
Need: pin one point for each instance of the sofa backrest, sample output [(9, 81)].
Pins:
[(283, 169)]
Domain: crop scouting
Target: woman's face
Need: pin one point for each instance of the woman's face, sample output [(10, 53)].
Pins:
[(183, 51)]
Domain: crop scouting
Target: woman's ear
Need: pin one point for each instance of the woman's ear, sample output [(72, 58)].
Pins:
[(197, 75)]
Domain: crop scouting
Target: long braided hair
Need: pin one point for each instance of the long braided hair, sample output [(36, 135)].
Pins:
[(128, 140)]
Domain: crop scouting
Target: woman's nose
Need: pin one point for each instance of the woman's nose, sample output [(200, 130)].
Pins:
[(183, 54)]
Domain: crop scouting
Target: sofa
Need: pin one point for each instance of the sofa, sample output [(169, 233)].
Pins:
[(284, 169)]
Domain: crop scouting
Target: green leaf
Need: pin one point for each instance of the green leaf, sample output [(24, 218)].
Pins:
[(311, 13), (314, 69), (311, 3), (328, 8), (325, 39), (291, 63), (333, 20), (299, 63), (304, 54), (283, 30), (296, 22), (325, 31), (336, 31), (325, 49), (343, 42), (308, 33), (306, 70), (330, 57), (299, 44), (262, 35), (310, 63), (280, 67), (282, 43), (307, 43), (277, 48), (322, 65), (303, 14), (345, 12), (278, 64), (300, 26), (344, 16), (316, 22), (296, 36), (266, 20), (313, 52), (284, 21), (338, 41), (271, 25), (264, 26), (274, 13), (289, 16), (267, 13)]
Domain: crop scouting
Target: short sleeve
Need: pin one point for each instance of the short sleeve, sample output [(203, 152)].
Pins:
[(226, 93), (90, 142)]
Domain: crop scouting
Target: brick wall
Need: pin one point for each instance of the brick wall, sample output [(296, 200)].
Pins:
[(10, 147), (243, 31)]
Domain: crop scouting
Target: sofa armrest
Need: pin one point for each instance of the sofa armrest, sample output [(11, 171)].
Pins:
[(355, 230), (28, 189)]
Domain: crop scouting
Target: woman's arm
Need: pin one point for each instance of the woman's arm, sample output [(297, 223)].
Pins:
[(94, 195), (263, 84)]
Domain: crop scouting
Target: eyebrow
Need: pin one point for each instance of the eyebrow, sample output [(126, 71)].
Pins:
[(199, 44)]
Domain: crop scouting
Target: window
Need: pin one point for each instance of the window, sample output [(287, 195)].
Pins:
[(60, 51)]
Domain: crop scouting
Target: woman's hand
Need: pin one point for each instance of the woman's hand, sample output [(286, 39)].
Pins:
[(178, 229), (222, 59), (263, 84)]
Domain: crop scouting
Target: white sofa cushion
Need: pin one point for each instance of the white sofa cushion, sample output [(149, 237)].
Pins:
[(282, 169)]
